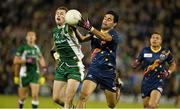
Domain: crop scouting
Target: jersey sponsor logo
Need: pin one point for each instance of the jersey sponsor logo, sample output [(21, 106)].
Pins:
[(147, 55)]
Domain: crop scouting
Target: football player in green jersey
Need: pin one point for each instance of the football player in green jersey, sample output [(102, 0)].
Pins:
[(67, 52), (27, 71)]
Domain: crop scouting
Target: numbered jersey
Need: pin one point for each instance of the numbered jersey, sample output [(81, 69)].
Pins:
[(25, 51), (67, 45)]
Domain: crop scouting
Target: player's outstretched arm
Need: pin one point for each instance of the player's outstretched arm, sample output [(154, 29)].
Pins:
[(87, 25), (102, 36), (83, 38)]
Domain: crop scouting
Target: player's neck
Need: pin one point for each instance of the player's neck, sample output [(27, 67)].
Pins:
[(61, 26), (30, 44), (155, 48), (104, 31)]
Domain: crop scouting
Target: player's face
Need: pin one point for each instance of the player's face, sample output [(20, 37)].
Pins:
[(155, 40), (60, 16), (108, 22), (31, 37)]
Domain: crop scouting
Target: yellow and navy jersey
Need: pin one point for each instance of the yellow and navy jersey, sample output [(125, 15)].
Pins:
[(104, 52), (154, 63)]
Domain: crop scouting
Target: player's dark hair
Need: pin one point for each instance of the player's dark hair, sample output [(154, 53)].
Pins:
[(62, 8), (155, 32), (116, 16)]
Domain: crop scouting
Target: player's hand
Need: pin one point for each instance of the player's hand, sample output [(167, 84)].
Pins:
[(135, 64), (44, 70), (42, 80), (165, 74), (16, 80), (55, 55), (85, 24), (31, 60)]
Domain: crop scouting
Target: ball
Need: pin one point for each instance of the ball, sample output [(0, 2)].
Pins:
[(72, 17)]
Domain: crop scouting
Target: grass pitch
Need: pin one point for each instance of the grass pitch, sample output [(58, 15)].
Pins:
[(10, 101)]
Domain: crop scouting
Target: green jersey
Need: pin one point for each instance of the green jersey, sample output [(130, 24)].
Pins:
[(70, 65), (29, 73), (25, 51), (67, 44)]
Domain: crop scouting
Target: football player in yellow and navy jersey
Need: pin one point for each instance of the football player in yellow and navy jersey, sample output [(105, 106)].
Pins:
[(67, 53), (102, 68), (153, 60), (27, 71)]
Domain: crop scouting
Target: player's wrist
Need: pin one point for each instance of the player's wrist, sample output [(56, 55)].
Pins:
[(91, 29), (169, 72), (22, 61), (44, 70)]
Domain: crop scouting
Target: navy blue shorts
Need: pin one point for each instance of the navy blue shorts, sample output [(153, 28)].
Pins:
[(146, 88), (104, 78)]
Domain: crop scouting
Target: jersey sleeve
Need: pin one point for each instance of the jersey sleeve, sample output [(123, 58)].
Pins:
[(170, 58), (20, 51), (140, 56), (115, 36), (38, 51)]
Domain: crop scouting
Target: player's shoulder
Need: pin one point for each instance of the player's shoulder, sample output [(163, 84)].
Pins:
[(54, 29), (23, 46), (165, 50), (146, 49), (36, 46), (113, 32), (115, 35)]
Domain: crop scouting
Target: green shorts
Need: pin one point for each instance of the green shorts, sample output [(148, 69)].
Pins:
[(31, 77), (64, 71)]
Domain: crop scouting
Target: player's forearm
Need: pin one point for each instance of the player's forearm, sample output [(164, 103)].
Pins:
[(16, 70), (43, 66), (18, 60), (81, 37), (172, 67), (42, 62), (102, 36)]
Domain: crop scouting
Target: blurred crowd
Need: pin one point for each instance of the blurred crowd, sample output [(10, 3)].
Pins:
[(138, 18)]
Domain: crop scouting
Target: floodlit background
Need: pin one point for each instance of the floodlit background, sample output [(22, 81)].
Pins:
[(138, 18)]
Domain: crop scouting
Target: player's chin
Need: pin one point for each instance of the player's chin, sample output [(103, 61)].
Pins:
[(58, 22), (104, 27)]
